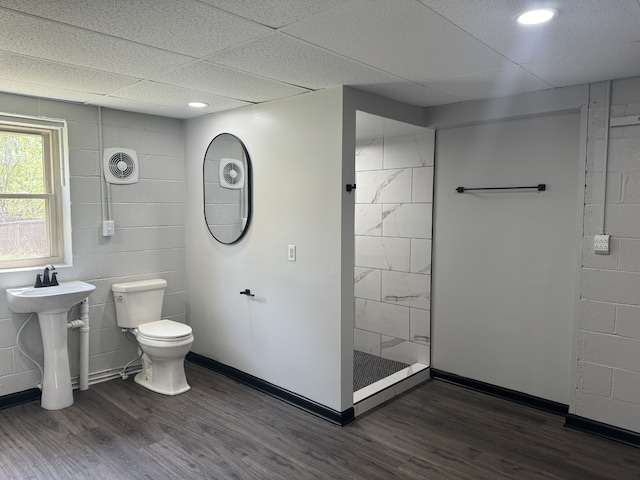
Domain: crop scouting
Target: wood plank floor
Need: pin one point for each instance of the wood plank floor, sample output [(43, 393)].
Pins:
[(224, 430)]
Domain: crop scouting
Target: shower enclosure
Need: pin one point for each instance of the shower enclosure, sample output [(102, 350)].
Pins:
[(392, 274)]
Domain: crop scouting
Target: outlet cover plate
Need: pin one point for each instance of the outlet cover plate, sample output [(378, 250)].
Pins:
[(601, 244), (108, 228)]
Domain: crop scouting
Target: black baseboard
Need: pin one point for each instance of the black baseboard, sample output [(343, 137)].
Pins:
[(602, 430), (18, 398), (333, 416), (501, 392)]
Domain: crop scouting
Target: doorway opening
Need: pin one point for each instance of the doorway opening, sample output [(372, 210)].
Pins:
[(392, 272)]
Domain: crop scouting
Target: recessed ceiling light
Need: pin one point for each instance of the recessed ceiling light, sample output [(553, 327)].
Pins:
[(198, 104), (537, 16)]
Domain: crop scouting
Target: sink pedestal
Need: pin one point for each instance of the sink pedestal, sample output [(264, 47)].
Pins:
[(56, 384), (52, 305)]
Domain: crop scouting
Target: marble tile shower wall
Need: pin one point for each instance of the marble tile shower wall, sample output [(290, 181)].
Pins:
[(149, 239), (393, 218)]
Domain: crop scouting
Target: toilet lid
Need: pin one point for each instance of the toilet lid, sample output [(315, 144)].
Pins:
[(164, 330)]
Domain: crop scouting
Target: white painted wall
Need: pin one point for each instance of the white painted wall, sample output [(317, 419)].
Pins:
[(297, 333), (149, 239), (289, 334), (607, 387), (504, 264)]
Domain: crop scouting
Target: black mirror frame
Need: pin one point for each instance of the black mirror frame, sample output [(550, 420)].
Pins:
[(249, 173)]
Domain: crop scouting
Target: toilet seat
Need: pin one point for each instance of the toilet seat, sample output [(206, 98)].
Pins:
[(164, 330)]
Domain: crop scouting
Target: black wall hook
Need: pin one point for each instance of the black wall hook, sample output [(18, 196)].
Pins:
[(247, 292), (351, 186)]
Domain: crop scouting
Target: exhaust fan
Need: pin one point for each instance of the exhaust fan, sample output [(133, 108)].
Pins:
[(231, 173), (120, 166)]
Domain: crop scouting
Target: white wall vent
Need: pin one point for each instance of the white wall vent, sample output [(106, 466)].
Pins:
[(120, 166)]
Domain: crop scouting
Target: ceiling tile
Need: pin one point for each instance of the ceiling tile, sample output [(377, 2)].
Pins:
[(148, 108), (613, 62), (207, 77), (44, 72), (161, 53), (411, 93), (496, 83), (580, 24), (289, 60), (402, 37), (80, 47), (45, 91), (275, 13), (175, 97), (183, 26)]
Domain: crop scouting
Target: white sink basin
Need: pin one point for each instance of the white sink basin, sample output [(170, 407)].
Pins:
[(48, 299)]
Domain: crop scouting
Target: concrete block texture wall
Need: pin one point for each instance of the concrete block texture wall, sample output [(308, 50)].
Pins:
[(393, 218), (148, 242), (608, 377)]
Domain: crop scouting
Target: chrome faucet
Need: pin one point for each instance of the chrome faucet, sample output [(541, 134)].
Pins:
[(43, 280)]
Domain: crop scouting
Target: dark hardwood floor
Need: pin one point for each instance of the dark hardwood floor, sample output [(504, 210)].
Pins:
[(222, 429)]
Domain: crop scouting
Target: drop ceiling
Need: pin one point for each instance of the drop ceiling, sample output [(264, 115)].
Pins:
[(155, 56)]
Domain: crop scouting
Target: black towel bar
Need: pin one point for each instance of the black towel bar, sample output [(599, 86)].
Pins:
[(541, 187)]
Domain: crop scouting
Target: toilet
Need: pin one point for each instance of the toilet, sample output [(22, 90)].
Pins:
[(164, 343)]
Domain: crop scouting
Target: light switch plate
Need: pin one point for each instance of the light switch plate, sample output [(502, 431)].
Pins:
[(292, 253)]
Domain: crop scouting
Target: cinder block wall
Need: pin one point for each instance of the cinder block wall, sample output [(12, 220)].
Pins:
[(149, 240), (608, 377)]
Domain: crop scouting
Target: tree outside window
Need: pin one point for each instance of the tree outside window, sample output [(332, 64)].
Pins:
[(29, 207)]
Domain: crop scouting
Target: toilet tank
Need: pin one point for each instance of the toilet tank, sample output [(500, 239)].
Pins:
[(138, 302)]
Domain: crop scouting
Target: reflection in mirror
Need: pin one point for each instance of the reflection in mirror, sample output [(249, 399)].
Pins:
[(227, 188)]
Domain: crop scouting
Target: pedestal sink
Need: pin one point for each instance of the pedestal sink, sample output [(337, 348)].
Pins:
[(52, 305)]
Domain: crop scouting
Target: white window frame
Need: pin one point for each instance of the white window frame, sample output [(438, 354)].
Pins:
[(56, 172)]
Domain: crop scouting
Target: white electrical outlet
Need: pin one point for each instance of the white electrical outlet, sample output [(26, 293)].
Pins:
[(601, 244), (292, 253), (108, 228)]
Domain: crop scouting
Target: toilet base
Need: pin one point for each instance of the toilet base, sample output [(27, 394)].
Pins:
[(174, 388), (169, 376)]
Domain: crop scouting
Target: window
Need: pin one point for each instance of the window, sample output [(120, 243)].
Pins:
[(31, 191)]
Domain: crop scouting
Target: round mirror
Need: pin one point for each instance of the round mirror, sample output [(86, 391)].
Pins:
[(227, 188)]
